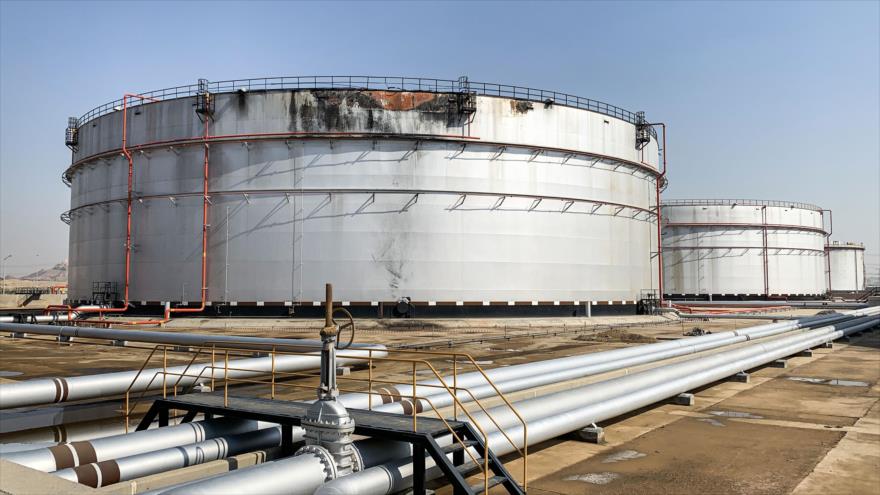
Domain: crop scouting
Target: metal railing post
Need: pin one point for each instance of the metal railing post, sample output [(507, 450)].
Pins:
[(164, 370), (455, 386), (370, 379), (213, 365), (414, 396), (226, 380), (126, 411), (273, 372)]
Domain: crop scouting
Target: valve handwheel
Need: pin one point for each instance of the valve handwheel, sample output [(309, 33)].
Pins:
[(346, 325)]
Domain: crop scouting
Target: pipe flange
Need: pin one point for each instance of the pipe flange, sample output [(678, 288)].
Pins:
[(357, 460), (330, 472)]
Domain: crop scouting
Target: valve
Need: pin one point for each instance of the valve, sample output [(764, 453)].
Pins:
[(328, 425)]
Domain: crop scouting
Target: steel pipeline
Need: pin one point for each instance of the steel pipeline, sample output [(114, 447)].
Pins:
[(556, 414)]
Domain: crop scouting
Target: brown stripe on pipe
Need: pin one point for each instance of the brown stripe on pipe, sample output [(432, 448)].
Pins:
[(407, 406), (109, 472), (85, 452), (64, 389), (63, 456), (386, 396), (395, 394), (57, 434), (87, 475), (419, 406), (57, 390)]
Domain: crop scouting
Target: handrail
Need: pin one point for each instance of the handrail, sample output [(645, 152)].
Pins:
[(739, 202), (414, 397), (845, 245), (389, 382), (747, 225), (381, 83), (128, 407)]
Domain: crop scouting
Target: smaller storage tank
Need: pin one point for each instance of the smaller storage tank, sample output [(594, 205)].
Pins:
[(846, 266), (736, 249)]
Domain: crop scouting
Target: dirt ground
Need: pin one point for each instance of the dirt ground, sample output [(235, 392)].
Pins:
[(792, 430)]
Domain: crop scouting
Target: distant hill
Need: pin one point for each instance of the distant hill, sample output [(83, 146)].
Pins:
[(57, 273)]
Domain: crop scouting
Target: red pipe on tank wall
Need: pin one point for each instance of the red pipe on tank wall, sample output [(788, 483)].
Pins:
[(125, 98), (205, 203)]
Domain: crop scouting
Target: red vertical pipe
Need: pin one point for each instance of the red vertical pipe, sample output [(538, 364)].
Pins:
[(766, 253), (205, 203)]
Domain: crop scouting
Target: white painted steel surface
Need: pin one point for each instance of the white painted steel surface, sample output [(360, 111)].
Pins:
[(717, 247), (846, 266), (387, 194)]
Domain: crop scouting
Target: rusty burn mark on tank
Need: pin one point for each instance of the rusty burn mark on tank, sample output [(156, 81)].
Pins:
[(521, 106), (349, 110), (402, 100)]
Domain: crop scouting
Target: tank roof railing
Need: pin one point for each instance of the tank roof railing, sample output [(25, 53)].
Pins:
[(847, 244), (739, 202), (382, 83)]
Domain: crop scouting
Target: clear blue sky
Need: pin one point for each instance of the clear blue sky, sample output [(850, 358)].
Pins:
[(763, 100)]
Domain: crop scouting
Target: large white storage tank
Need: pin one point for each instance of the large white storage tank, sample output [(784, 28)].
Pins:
[(743, 248), (846, 266), (443, 192)]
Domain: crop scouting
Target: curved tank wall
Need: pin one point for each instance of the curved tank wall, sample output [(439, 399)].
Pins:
[(743, 248), (386, 194), (846, 266)]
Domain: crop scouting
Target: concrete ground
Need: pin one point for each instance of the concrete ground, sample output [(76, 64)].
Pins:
[(792, 430), (774, 435)]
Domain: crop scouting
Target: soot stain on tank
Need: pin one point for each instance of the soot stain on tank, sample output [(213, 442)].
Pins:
[(241, 100), (356, 110), (292, 112), (521, 106)]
